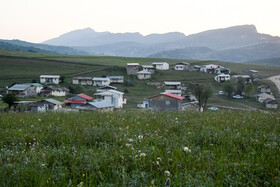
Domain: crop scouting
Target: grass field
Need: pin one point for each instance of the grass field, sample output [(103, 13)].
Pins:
[(20, 67), (140, 149)]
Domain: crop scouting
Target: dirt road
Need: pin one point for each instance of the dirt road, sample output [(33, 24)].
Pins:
[(276, 81)]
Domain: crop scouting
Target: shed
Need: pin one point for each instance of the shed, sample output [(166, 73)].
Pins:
[(132, 68)]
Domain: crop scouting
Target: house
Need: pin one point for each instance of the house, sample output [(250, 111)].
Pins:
[(270, 103), (247, 78), (173, 87), (263, 96), (165, 102), (83, 80), (264, 89), (210, 68), (100, 81), (222, 70), (105, 88), (54, 91), (144, 74), (251, 73), (111, 96), (80, 99), (49, 79), (222, 77), (116, 79), (45, 105), (161, 65), (101, 106), (182, 66), (149, 68), (38, 87), (195, 68), (23, 90), (132, 68)]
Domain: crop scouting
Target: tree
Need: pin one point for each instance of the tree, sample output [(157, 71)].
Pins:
[(229, 87), (9, 99), (240, 85), (249, 88), (202, 94)]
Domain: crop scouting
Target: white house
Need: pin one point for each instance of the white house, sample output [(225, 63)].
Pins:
[(49, 79), (149, 68), (161, 65), (222, 77), (144, 74), (182, 66), (116, 79), (173, 87), (111, 96), (210, 68), (100, 81), (54, 91), (23, 90)]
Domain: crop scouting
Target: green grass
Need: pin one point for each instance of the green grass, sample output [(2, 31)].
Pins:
[(60, 149)]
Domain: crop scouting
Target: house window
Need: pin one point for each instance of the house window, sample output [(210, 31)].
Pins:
[(167, 102)]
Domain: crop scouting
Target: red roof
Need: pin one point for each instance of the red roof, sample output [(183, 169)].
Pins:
[(85, 96), (75, 101), (174, 96)]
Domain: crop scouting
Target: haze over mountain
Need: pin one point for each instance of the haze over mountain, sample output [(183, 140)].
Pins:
[(39, 48), (238, 43)]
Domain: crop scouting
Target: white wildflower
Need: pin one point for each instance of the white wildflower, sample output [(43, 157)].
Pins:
[(167, 173), (140, 137), (142, 155), (186, 149)]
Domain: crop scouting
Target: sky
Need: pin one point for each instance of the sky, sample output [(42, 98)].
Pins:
[(40, 20)]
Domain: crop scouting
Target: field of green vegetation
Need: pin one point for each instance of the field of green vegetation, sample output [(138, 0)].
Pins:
[(140, 149), (21, 67)]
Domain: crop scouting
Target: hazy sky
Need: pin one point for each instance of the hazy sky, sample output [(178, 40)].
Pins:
[(39, 20)]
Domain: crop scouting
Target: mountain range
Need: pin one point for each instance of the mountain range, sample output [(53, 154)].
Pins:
[(236, 44)]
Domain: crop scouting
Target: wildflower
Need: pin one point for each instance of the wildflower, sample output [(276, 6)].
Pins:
[(128, 145), (33, 145), (84, 174), (34, 139), (167, 173), (140, 137), (159, 158), (39, 119), (157, 162), (130, 140), (142, 155), (186, 149), (167, 183), (43, 165)]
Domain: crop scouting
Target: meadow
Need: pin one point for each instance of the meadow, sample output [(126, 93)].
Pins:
[(140, 149)]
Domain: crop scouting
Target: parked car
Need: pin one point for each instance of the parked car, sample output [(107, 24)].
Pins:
[(140, 106), (213, 108), (237, 97), (221, 93)]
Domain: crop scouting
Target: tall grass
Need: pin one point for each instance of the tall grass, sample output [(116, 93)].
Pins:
[(140, 149)]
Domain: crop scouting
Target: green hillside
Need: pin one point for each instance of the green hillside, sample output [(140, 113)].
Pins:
[(20, 67)]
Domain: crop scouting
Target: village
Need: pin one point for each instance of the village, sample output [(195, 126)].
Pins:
[(172, 96)]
